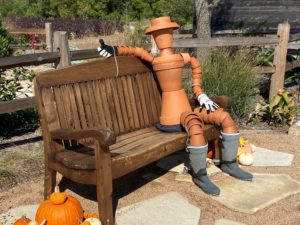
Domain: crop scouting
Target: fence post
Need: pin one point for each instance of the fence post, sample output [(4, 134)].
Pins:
[(277, 79), (49, 37), (65, 59), (60, 44)]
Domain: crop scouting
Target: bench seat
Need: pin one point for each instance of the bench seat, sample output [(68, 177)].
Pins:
[(131, 151)]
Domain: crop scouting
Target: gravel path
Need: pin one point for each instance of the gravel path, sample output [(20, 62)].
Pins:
[(133, 188)]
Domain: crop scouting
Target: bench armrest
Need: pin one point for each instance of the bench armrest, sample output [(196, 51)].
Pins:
[(223, 101), (105, 136)]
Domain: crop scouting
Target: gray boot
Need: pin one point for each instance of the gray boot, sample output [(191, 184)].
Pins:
[(197, 157), (230, 144)]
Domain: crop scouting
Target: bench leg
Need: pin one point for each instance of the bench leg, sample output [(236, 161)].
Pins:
[(49, 182), (104, 197), (104, 185)]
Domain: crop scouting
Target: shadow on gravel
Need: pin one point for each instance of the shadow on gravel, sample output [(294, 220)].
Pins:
[(121, 186), (21, 142)]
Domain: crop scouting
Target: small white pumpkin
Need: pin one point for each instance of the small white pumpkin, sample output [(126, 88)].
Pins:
[(246, 159), (93, 221)]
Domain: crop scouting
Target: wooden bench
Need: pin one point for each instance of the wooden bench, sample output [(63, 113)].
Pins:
[(98, 126)]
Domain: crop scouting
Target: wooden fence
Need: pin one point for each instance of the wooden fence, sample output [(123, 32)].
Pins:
[(60, 55), (47, 32)]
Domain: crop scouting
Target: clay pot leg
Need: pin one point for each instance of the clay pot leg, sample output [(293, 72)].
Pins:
[(194, 127), (220, 118)]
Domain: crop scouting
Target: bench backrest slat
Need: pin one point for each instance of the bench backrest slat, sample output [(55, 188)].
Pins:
[(90, 95)]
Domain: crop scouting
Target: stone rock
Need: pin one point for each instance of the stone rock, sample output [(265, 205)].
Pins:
[(267, 157), (9, 217), (295, 129), (167, 209), (250, 197)]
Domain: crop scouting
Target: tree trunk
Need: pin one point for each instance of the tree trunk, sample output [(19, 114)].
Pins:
[(202, 23)]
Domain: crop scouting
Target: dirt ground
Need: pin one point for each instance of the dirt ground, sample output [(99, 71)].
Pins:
[(134, 188)]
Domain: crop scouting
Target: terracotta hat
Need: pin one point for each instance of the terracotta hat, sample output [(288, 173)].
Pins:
[(161, 23)]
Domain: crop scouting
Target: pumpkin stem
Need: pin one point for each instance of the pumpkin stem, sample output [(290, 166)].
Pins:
[(23, 218), (43, 222), (56, 189)]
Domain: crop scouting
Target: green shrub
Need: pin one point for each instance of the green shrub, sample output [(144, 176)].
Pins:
[(279, 110), (231, 74), (5, 41), (10, 88), (19, 121)]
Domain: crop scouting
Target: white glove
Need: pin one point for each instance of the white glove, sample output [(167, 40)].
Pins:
[(207, 102)]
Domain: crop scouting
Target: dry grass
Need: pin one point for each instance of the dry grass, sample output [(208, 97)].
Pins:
[(19, 164), (93, 41)]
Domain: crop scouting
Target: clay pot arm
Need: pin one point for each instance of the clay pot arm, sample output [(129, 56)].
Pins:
[(139, 52), (196, 76)]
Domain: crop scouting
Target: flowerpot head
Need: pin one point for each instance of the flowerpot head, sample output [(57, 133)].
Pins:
[(162, 31)]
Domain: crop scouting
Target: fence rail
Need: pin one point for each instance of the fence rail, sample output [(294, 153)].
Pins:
[(17, 104), (225, 41), (57, 46), (27, 31)]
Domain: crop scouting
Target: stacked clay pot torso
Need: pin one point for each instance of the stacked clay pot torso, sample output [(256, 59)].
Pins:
[(168, 69)]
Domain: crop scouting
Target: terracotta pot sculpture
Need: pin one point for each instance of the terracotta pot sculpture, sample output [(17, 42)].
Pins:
[(176, 111)]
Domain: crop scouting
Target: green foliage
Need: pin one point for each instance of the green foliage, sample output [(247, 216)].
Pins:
[(121, 10), (11, 88), (265, 56), (5, 41), (137, 37), (20, 120), (180, 11), (280, 110), (231, 74)]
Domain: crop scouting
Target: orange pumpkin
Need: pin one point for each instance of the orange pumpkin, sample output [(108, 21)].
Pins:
[(22, 221), (60, 209), (93, 215), (85, 223)]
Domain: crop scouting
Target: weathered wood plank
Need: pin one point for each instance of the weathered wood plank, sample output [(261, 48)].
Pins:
[(105, 105), (225, 41), (264, 69), (84, 54), (87, 105), (277, 79), (91, 96), (60, 107), (143, 100), (128, 103), (148, 99), (50, 112), (123, 104), (81, 111), (17, 104), (95, 70), (28, 60), (138, 101), (99, 103), (27, 31), (111, 107), (117, 106), (136, 120), (152, 97), (74, 107)]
